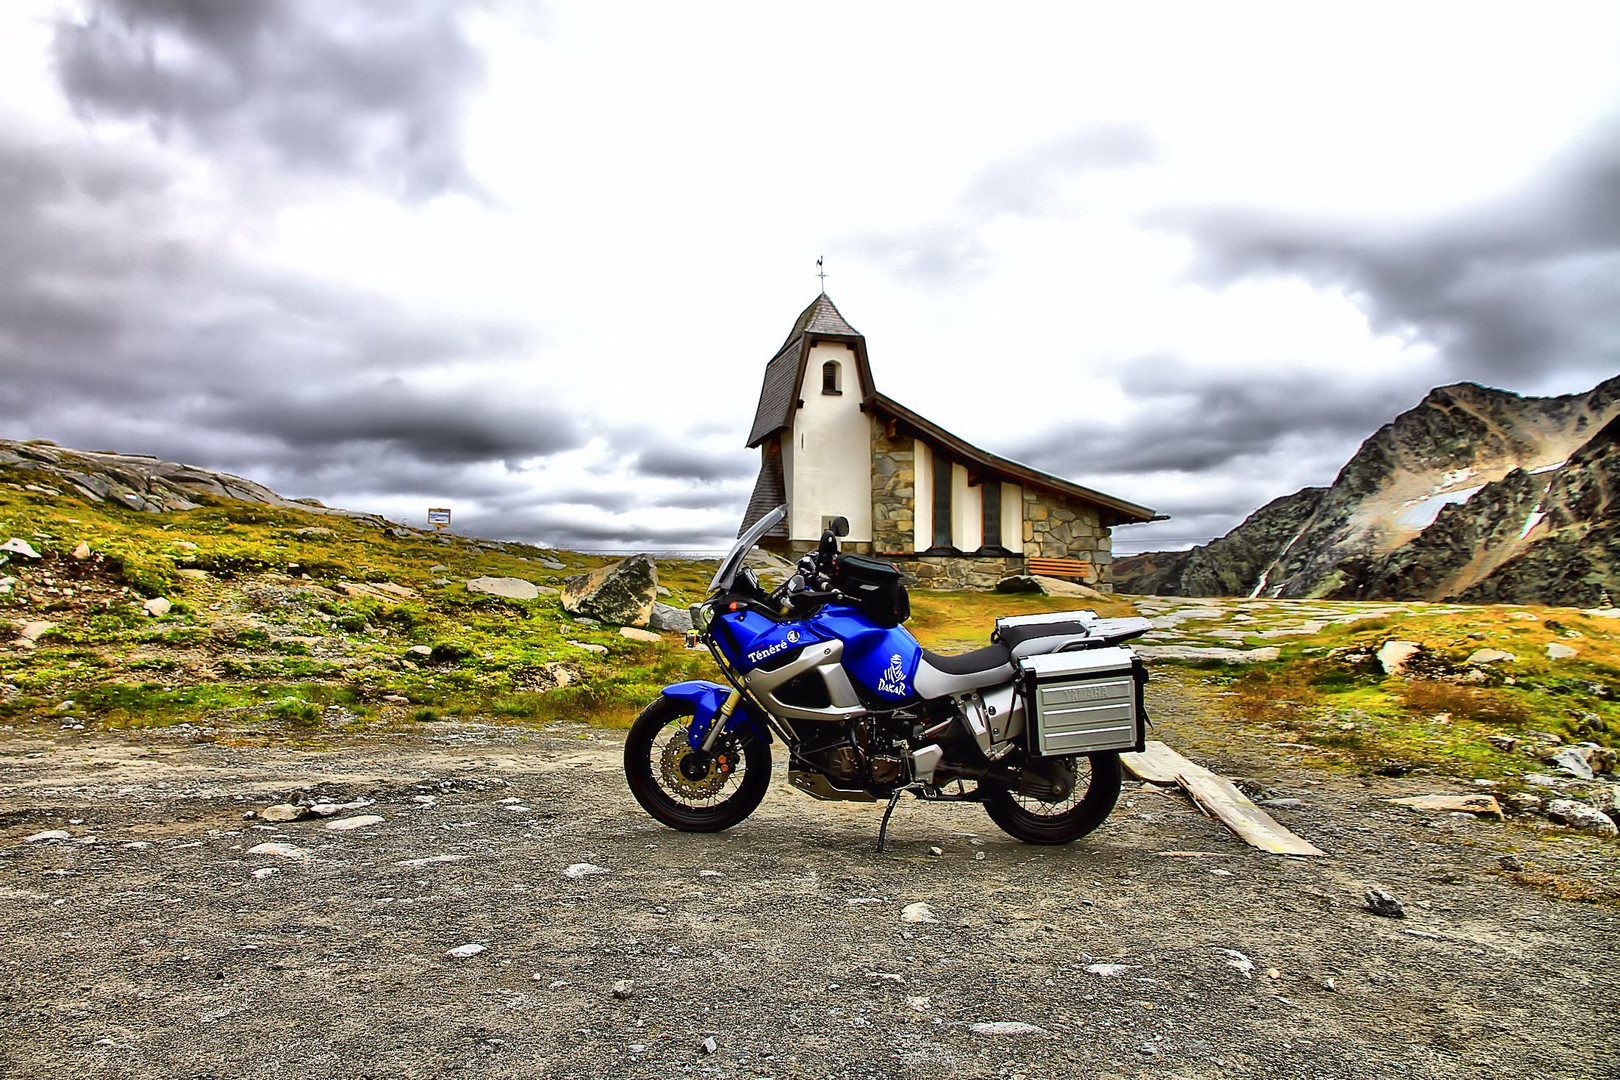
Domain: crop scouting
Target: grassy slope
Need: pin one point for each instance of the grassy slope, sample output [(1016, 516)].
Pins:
[(1327, 699), (250, 649)]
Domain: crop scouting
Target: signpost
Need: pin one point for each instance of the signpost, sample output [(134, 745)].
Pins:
[(439, 517)]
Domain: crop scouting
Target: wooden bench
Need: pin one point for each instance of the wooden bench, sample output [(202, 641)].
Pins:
[(1060, 568)]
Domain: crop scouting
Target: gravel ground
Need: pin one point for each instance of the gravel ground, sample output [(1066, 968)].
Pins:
[(153, 943)]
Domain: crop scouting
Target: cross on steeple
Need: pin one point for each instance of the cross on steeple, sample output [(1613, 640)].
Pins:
[(820, 273)]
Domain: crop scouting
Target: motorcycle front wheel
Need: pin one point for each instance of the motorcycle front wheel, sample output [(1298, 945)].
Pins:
[(1097, 780), (685, 788)]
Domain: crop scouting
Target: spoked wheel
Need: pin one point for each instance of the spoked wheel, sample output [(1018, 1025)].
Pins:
[(687, 789), (1086, 805)]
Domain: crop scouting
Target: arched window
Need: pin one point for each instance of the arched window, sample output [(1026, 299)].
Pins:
[(832, 378)]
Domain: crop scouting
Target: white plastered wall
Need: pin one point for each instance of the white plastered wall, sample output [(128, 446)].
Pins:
[(922, 517), (829, 465), (1012, 517), (967, 511)]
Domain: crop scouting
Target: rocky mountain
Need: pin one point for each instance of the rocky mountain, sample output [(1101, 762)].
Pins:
[(138, 481), (1475, 494)]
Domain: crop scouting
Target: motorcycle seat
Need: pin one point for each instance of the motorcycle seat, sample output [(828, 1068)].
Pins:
[(939, 675)]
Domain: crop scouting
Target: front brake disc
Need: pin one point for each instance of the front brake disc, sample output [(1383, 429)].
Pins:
[(721, 766)]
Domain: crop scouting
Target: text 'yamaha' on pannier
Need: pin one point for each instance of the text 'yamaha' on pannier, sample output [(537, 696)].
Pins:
[(874, 586), (1085, 701)]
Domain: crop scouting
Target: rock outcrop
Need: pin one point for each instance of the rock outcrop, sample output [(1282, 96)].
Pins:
[(1475, 494), (140, 482), (621, 593)]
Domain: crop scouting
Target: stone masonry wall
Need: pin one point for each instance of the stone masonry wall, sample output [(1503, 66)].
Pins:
[(1055, 528), (894, 490)]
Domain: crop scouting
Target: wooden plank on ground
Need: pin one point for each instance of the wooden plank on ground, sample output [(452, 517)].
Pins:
[(1219, 798), (1158, 764)]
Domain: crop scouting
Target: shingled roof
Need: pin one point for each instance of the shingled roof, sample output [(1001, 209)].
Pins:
[(770, 491), (1115, 511), (779, 395)]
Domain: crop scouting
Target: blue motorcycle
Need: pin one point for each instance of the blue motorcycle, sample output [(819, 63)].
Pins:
[(1031, 726)]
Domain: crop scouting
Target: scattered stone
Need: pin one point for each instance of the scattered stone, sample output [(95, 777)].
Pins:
[(1523, 615), (600, 650), (639, 635), (282, 812), (621, 593), (509, 588), (670, 619), (1603, 613), (17, 546), (1237, 960), (1395, 654), (1571, 761), (1209, 652), (360, 821), (465, 952), (396, 699), (432, 860), (1382, 903), (1510, 862), (48, 834), (1522, 802), (81, 552), (192, 573), (1581, 817), (1282, 804), (329, 809), (1110, 971), (1459, 804), (1558, 651), (264, 872), (918, 913), (710, 1046), (579, 871), (157, 607), (1006, 1027), (1505, 743), (279, 847), (421, 652), (33, 631), (1490, 656), (936, 851), (1606, 799), (624, 989), (552, 564)]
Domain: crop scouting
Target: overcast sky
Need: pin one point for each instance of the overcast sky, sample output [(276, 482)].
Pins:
[(529, 260)]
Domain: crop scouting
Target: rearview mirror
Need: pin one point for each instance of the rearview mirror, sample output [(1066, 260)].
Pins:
[(839, 526)]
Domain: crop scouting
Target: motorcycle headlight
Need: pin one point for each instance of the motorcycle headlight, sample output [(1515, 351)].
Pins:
[(702, 616)]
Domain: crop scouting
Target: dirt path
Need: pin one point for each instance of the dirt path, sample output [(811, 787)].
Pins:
[(146, 945)]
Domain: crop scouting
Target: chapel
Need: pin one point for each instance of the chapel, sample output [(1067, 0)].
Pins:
[(947, 512)]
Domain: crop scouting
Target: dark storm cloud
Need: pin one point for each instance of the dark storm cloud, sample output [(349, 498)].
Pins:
[(1202, 421), (456, 427), (374, 89), (1527, 285), (685, 461), (953, 251)]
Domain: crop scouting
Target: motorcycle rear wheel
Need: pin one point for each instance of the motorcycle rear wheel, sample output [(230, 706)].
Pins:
[(730, 787), (1096, 789)]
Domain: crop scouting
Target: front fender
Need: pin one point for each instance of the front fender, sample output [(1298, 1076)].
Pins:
[(706, 698)]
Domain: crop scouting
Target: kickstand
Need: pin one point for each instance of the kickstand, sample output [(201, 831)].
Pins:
[(883, 829)]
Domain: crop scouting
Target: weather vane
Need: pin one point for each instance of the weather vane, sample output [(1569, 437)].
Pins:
[(820, 273)]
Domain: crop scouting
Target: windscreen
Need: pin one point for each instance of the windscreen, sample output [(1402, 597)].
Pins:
[(745, 543)]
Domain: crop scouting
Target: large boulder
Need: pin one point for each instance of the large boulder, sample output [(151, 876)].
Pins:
[(621, 593), (1048, 586), (668, 618)]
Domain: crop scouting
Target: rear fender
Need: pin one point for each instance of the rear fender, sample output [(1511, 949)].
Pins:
[(706, 698)]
